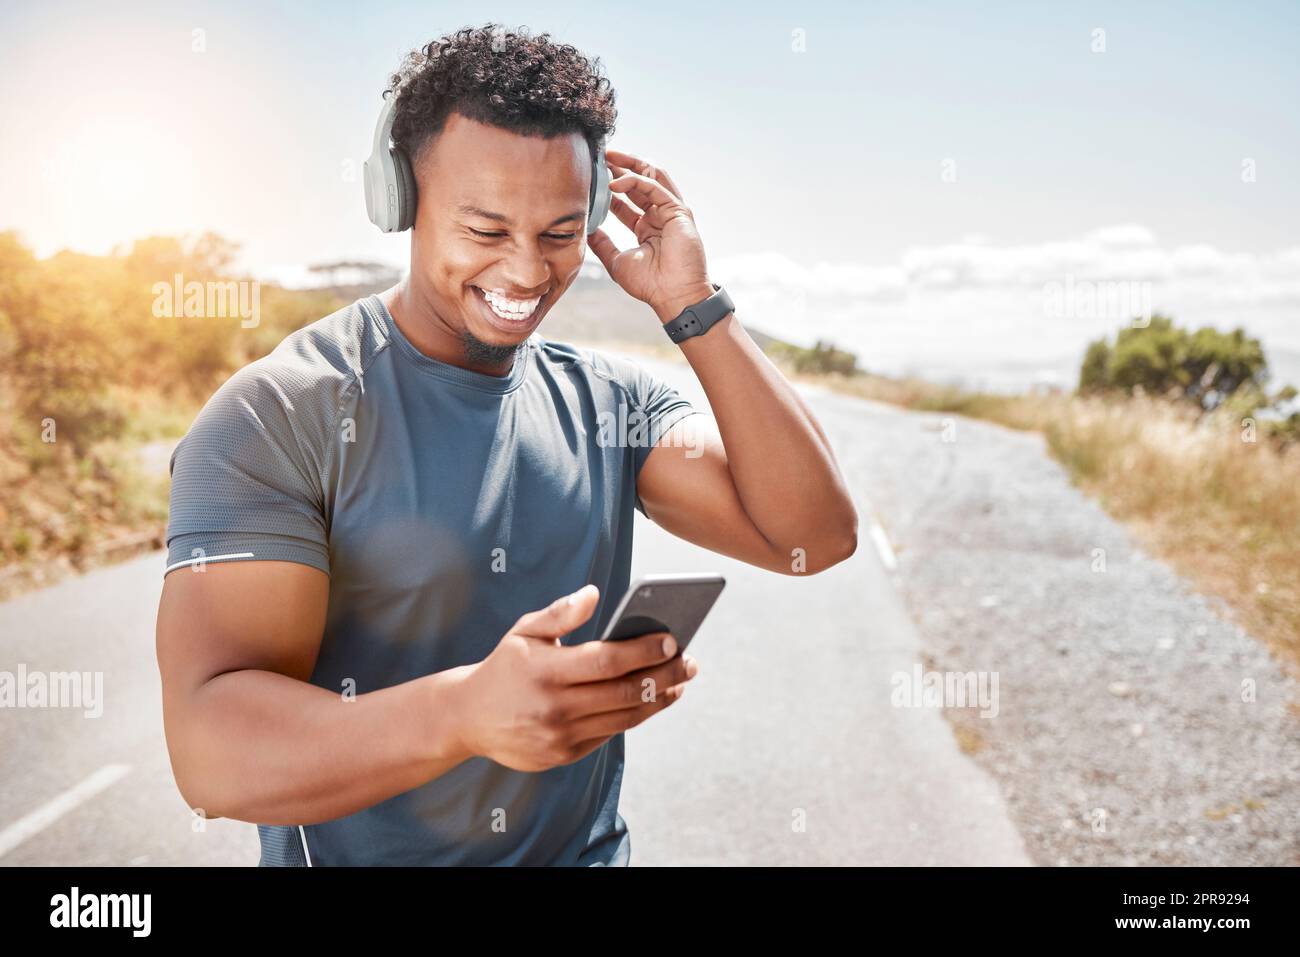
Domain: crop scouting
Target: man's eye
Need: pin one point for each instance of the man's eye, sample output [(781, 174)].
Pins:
[(560, 237)]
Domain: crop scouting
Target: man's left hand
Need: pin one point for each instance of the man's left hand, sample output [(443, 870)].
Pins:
[(667, 270)]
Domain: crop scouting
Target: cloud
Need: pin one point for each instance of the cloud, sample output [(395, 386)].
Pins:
[(973, 304), (1123, 253)]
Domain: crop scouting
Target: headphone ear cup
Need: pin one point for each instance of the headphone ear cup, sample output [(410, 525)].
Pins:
[(406, 194), (600, 191)]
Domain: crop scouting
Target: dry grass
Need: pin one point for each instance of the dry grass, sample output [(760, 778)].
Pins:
[(1224, 512), (62, 513)]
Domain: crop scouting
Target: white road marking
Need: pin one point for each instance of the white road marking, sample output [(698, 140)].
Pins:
[(51, 811), (883, 548)]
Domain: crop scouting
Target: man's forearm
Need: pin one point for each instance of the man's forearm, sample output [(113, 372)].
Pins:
[(780, 459), (261, 747)]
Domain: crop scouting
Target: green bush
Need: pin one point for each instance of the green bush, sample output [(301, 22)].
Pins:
[(1206, 366)]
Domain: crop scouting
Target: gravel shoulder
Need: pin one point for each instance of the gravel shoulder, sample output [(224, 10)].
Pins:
[(1136, 724)]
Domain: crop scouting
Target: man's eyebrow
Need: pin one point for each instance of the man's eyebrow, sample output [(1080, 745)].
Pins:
[(503, 218)]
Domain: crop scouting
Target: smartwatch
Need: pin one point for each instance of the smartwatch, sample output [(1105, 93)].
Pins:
[(696, 320)]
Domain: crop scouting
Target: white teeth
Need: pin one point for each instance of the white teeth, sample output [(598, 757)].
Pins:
[(513, 309)]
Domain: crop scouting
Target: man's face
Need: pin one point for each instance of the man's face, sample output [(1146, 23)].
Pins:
[(501, 222)]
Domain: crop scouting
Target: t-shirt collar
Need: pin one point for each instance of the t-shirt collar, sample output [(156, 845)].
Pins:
[(447, 371)]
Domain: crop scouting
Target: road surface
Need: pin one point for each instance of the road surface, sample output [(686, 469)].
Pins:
[(786, 749)]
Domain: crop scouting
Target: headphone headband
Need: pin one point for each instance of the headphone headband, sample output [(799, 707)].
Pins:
[(390, 182)]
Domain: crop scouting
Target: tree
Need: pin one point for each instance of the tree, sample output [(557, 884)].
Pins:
[(1205, 367)]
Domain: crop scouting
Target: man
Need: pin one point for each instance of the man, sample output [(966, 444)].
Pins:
[(381, 531)]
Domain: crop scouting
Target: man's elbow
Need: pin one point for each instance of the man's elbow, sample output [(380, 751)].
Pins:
[(843, 537), (818, 558), (850, 543), (843, 548)]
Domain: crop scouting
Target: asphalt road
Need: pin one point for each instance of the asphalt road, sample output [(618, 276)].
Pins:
[(786, 749)]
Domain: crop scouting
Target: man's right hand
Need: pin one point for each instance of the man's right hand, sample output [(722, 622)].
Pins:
[(533, 703)]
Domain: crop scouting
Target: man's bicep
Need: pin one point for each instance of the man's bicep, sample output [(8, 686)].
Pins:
[(687, 489), (238, 615), (228, 617)]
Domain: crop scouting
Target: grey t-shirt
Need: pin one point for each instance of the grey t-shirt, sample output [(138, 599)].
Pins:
[(443, 503)]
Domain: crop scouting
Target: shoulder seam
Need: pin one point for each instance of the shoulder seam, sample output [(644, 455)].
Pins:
[(580, 357), (345, 395)]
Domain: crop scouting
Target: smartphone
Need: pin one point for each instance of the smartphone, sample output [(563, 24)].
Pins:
[(672, 603)]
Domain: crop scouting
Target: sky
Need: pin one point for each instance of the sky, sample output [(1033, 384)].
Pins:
[(934, 185)]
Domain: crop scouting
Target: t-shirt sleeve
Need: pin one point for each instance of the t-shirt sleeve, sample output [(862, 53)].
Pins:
[(247, 480), (663, 407)]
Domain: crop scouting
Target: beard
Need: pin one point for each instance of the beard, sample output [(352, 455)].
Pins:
[(478, 352)]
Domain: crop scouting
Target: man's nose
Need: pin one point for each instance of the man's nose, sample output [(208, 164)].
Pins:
[(525, 275)]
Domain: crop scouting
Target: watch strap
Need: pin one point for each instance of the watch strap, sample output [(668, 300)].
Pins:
[(696, 320)]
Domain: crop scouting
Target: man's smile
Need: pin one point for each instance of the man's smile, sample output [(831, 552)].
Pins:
[(508, 315)]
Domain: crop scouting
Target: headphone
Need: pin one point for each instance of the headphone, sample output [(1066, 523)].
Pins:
[(390, 184)]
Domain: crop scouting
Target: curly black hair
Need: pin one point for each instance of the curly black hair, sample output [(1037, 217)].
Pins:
[(506, 78)]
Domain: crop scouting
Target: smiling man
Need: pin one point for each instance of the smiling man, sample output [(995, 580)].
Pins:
[(393, 539)]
